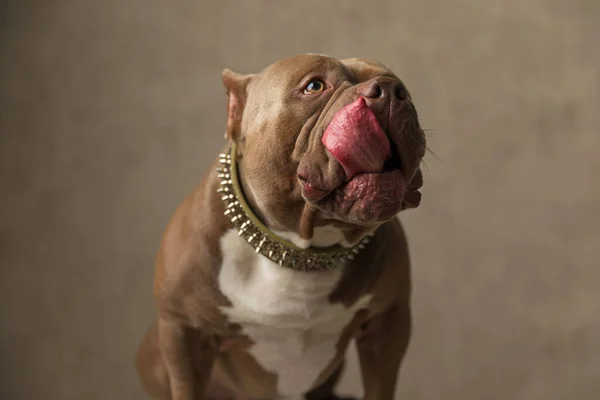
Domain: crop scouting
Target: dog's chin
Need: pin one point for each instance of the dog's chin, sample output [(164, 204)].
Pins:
[(367, 199)]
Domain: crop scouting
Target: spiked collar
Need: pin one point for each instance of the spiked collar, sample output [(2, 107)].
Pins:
[(265, 242)]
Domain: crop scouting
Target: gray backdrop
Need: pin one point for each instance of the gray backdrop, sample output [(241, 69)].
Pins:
[(110, 112)]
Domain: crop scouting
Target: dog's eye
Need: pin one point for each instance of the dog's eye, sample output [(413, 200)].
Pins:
[(314, 86)]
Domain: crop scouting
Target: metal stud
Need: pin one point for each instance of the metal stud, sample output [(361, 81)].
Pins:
[(236, 217), (260, 244), (283, 257), (259, 247)]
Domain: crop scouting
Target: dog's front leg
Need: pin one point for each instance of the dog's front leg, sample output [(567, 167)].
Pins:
[(188, 357), (381, 346)]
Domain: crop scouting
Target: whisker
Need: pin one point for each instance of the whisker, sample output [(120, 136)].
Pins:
[(427, 168), (427, 149), (428, 132)]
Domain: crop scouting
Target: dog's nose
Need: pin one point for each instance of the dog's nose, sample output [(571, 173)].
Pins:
[(382, 88)]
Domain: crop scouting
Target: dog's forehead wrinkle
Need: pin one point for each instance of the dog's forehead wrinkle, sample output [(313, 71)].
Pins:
[(297, 67), (363, 70)]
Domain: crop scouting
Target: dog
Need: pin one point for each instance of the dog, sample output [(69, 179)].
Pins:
[(290, 248)]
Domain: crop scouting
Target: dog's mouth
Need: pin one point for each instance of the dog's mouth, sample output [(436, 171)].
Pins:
[(375, 186)]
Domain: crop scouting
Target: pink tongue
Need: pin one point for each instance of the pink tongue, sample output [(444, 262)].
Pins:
[(356, 140)]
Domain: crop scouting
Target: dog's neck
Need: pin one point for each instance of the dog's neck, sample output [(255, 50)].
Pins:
[(303, 232), (298, 225), (294, 249), (301, 223)]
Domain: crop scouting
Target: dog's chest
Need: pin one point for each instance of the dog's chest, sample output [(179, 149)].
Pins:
[(286, 313)]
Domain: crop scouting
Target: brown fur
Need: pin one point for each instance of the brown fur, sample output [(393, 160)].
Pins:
[(193, 352)]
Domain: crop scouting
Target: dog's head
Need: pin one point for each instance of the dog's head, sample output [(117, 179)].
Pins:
[(325, 141)]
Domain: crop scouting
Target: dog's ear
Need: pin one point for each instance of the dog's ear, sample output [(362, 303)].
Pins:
[(236, 86)]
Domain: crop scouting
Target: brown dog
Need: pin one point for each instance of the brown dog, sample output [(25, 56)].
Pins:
[(289, 248)]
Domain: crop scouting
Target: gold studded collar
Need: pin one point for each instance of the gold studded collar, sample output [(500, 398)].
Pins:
[(265, 242)]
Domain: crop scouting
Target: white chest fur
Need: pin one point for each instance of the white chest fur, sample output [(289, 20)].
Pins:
[(286, 313)]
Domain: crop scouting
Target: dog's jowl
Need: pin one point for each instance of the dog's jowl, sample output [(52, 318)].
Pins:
[(289, 249)]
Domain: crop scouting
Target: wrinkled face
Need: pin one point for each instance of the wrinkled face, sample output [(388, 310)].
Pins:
[(341, 136)]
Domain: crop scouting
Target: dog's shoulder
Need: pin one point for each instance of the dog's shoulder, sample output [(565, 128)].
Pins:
[(189, 259)]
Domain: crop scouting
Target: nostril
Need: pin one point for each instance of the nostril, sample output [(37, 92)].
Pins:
[(400, 92), (371, 90), (378, 92)]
